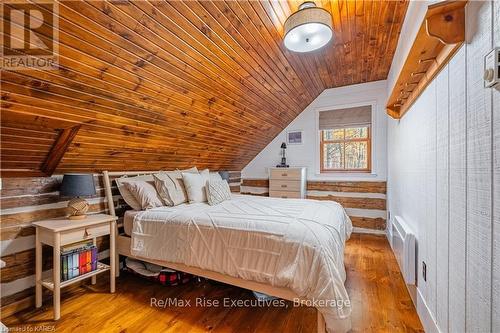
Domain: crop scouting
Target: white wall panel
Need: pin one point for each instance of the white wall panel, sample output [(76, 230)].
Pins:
[(496, 185), (479, 172), (442, 199), (429, 190), (458, 192), (444, 179)]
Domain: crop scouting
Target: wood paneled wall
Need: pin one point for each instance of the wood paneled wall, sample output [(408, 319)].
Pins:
[(364, 202), (166, 84), (26, 200)]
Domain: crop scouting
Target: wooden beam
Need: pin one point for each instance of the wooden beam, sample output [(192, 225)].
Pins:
[(21, 173), (58, 149)]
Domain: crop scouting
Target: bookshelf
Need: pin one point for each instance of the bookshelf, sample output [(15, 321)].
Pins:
[(101, 267), (62, 231)]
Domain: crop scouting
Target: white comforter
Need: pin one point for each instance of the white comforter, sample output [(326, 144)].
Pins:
[(293, 243)]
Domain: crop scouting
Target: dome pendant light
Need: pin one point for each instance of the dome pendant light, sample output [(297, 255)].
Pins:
[(308, 29)]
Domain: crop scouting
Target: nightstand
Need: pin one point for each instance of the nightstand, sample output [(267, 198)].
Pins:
[(62, 231)]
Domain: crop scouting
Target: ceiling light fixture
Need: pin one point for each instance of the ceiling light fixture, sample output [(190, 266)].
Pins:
[(308, 29)]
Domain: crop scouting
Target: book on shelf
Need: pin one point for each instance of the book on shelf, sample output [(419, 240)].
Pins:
[(78, 259), (76, 246)]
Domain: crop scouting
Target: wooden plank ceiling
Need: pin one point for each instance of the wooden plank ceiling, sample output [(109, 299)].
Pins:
[(166, 84)]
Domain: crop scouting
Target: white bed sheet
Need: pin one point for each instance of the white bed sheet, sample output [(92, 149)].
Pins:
[(128, 221), (293, 243)]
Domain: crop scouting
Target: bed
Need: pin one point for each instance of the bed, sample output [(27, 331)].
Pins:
[(288, 248)]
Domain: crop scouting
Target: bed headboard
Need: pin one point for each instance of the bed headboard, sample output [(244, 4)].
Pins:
[(108, 182), (110, 176)]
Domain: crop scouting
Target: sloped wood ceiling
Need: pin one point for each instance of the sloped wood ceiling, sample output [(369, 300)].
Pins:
[(166, 84)]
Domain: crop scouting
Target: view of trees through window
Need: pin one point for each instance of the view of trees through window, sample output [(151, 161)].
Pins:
[(345, 149)]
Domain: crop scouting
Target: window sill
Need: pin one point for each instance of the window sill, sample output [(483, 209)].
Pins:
[(340, 174), (368, 172)]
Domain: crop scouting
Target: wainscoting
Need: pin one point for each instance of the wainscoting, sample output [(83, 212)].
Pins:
[(26, 200), (365, 202)]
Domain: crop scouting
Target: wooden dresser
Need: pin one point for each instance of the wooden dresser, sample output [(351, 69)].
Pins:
[(287, 182)]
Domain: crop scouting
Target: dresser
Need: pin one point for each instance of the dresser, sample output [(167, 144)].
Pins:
[(287, 182)]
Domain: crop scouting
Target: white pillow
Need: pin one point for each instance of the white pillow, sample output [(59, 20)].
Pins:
[(145, 193), (170, 186), (218, 191), (215, 176), (125, 192), (196, 185)]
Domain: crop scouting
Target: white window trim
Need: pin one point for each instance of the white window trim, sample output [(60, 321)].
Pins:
[(374, 135)]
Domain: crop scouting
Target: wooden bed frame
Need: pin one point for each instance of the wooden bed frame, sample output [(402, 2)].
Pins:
[(123, 248)]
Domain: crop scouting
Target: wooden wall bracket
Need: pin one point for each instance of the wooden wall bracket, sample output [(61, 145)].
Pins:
[(441, 34)]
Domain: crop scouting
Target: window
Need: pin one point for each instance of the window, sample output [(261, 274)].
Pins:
[(345, 149), (345, 139)]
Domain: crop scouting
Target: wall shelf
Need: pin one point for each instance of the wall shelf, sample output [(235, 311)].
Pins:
[(441, 34)]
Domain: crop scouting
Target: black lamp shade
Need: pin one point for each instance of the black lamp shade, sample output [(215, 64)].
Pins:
[(77, 185), (283, 145), (224, 175)]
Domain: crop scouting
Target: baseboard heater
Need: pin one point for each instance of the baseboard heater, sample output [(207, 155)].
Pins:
[(403, 244)]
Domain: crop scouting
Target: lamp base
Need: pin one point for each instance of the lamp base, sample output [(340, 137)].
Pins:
[(77, 208), (77, 217)]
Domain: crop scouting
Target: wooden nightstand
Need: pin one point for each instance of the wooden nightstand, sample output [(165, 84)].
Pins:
[(62, 231)]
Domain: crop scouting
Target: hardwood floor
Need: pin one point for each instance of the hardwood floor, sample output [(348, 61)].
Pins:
[(379, 299)]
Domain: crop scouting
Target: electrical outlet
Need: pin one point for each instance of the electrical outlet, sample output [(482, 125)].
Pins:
[(424, 271)]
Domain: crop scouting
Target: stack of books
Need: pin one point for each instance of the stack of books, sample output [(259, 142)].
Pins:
[(78, 259)]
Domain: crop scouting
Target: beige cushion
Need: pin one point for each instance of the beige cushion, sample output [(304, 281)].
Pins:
[(196, 185), (215, 176), (170, 186), (125, 193), (217, 192), (145, 193)]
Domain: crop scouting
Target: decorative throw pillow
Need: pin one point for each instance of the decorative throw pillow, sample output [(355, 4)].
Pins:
[(145, 193), (218, 191), (214, 176), (196, 185), (170, 186), (125, 193)]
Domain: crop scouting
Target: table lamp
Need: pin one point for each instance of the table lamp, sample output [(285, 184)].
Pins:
[(77, 186), (283, 157)]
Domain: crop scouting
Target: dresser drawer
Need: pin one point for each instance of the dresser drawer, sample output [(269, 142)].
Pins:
[(284, 185), (286, 174), (284, 194), (74, 236)]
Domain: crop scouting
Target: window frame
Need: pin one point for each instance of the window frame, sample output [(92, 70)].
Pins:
[(368, 140)]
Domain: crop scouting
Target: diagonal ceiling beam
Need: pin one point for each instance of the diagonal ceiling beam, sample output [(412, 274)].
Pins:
[(59, 149)]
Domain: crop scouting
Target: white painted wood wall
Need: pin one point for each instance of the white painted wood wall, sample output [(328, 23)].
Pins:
[(444, 179)]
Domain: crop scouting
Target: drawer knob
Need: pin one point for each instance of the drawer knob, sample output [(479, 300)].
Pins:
[(284, 197), (284, 174), (284, 185), (87, 233)]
